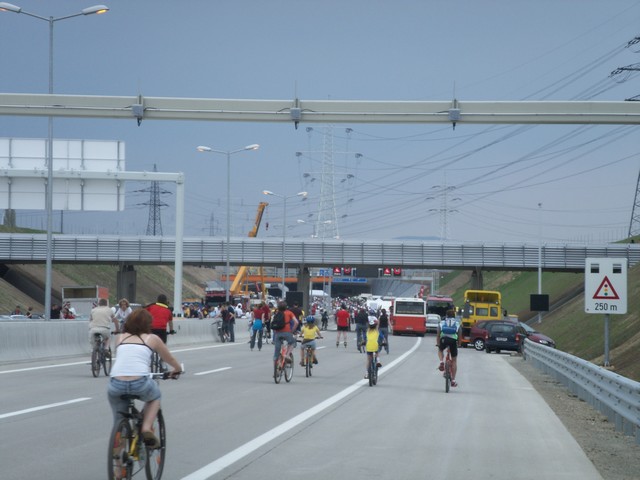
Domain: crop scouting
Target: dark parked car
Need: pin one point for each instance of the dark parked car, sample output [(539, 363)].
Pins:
[(535, 336), (478, 334), (504, 336)]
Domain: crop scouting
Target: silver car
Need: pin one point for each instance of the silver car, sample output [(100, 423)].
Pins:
[(433, 320)]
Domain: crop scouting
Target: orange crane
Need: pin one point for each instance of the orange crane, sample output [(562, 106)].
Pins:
[(235, 288)]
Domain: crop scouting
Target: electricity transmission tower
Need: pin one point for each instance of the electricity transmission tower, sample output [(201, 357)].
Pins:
[(154, 224), (327, 221), (634, 224)]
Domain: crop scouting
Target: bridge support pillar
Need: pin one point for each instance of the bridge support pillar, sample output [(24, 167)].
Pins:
[(126, 283), (304, 285), (477, 282)]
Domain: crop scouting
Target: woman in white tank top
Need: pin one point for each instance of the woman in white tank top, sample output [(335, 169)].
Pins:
[(130, 371)]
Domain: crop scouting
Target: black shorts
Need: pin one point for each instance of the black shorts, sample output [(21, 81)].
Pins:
[(343, 329), (161, 333), (449, 342)]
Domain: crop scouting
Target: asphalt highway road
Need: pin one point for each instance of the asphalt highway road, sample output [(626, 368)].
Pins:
[(226, 418)]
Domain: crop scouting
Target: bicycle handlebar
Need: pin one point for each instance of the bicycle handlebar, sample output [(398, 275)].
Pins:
[(168, 375)]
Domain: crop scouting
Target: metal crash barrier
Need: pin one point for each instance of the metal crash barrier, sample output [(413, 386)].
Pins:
[(615, 396)]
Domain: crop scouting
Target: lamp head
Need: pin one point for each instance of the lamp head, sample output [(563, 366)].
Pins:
[(9, 7), (253, 146), (97, 9), (267, 192), (203, 148)]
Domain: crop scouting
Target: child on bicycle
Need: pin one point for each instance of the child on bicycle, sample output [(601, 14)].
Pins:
[(447, 337), (309, 332), (372, 343)]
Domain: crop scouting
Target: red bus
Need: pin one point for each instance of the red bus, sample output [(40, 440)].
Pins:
[(408, 315), (439, 304)]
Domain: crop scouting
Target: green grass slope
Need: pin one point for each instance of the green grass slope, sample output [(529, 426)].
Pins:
[(574, 331)]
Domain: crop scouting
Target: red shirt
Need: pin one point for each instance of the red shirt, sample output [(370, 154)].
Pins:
[(267, 313), (161, 315), (342, 318), (288, 317), (257, 313)]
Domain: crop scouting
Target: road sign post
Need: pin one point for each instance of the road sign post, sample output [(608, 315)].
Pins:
[(605, 291)]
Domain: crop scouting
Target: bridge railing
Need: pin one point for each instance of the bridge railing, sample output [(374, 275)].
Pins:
[(17, 248), (615, 396)]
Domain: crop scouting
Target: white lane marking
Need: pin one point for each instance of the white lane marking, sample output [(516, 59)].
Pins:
[(213, 371), (242, 451), (43, 407), (84, 362), (87, 362)]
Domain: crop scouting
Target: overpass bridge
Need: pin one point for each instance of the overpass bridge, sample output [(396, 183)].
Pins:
[(129, 251)]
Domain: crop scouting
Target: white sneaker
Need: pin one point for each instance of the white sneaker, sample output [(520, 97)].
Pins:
[(366, 375)]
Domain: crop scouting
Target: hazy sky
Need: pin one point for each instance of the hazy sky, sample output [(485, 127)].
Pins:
[(585, 177)]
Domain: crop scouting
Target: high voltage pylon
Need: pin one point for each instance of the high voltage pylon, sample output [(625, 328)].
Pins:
[(327, 220), (154, 224), (634, 224)]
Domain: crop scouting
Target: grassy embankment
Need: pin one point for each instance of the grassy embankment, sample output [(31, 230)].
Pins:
[(574, 331)]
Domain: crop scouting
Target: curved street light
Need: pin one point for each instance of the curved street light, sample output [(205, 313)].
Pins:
[(284, 228), (96, 9), (204, 148)]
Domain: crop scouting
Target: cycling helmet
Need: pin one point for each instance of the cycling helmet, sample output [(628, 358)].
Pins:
[(310, 319), (372, 321)]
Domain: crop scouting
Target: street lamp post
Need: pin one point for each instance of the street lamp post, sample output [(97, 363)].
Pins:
[(97, 9), (203, 148), (284, 229)]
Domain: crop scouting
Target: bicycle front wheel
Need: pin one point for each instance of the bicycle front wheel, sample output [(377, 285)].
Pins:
[(120, 464), (288, 368), (95, 362), (277, 370), (155, 456), (106, 361)]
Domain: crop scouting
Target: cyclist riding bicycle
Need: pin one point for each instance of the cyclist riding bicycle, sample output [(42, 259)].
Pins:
[(130, 372), (309, 332), (100, 320), (447, 337), (372, 344), (284, 333)]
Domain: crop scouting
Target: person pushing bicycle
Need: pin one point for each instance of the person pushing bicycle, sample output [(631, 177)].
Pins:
[(447, 337)]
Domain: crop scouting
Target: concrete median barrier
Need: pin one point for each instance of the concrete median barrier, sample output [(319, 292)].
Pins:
[(21, 341)]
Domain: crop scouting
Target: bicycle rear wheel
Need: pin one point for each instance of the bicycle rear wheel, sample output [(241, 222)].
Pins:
[(155, 456), (309, 360), (120, 464), (375, 373), (288, 368), (447, 377), (95, 361), (106, 361)]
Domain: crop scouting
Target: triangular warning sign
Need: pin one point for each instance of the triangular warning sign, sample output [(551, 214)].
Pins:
[(606, 291)]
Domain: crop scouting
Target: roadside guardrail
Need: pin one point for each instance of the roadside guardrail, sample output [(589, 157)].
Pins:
[(615, 396)]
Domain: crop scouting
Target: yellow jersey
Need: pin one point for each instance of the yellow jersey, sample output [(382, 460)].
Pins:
[(309, 332)]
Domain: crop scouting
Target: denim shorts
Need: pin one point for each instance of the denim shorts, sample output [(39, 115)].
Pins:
[(311, 344), (144, 387)]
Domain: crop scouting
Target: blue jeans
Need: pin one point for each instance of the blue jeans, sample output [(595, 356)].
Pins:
[(278, 337), (385, 333), (257, 333), (361, 334), (146, 388)]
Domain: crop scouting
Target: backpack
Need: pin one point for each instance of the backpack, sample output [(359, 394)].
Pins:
[(277, 322), (448, 329)]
